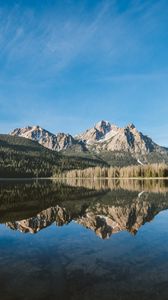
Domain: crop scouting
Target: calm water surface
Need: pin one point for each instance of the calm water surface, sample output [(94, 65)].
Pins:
[(83, 240)]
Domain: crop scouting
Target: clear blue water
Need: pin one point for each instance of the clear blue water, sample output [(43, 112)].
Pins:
[(92, 244)]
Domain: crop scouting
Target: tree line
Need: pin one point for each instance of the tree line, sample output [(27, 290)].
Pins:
[(139, 171)]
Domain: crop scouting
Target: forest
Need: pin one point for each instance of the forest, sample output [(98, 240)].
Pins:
[(20, 157)]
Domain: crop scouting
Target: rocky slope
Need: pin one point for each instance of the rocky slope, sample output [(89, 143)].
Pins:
[(103, 139), (43, 219), (104, 136), (105, 210), (98, 132), (103, 219), (58, 142)]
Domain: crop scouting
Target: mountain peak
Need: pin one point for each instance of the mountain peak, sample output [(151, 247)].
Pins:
[(95, 133), (102, 123), (131, 126), (103, 126), (34, 127)]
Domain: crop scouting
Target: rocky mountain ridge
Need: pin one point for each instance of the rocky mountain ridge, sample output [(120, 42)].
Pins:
[(49, 140), (103, 137), (38, 204), (104, 220)]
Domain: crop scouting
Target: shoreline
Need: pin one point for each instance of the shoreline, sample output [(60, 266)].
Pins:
[(113, 178), (82, 178)]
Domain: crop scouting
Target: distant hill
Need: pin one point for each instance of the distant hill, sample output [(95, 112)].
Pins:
[(21, 157)]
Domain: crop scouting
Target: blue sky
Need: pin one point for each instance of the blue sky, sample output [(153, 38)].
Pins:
[(67, 64)]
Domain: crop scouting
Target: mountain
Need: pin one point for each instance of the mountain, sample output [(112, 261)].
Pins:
[(105, 141), (106, 207), (104, 218), (58, 142), (104, 136)]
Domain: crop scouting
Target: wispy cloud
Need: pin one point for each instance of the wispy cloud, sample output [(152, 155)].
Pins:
[(41, 47), (45, 44)]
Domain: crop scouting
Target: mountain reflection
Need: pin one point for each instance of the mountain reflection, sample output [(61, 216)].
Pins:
[(105, 207)]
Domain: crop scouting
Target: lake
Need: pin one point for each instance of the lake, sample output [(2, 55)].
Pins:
[(83, 239)]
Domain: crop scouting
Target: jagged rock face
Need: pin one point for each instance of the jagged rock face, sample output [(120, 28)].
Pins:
[(96, 133), (64, 141), (130, 140), (51, 141), (102, 137), (105, 136), (42, 220), (104, 220)]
